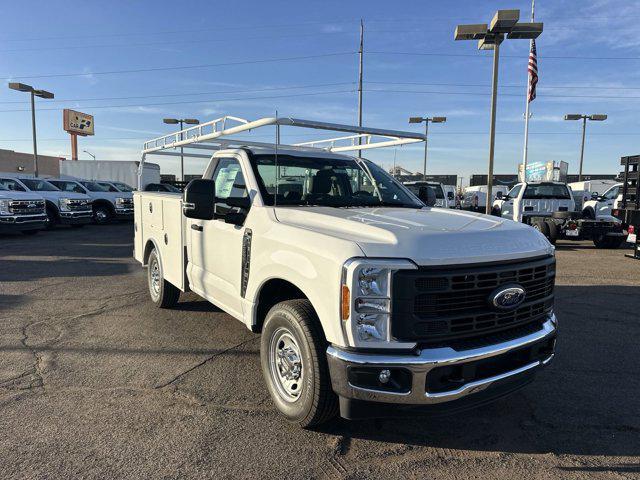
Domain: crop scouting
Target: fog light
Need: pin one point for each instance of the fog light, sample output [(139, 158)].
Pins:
[(384, 376)]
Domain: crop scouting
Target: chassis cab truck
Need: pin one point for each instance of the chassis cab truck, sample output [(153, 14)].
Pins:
[(368, 302), (549, 207)]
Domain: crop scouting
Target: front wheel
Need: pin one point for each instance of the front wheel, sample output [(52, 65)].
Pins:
[(294, 364), (102, 214), (163, 293)]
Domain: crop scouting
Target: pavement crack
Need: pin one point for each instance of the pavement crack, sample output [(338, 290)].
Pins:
[(200, 364)]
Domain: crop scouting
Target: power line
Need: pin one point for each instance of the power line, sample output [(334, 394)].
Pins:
[(183, 67), (555, 57), (289, 87), (486, 85), (503, 94), (216, 100)]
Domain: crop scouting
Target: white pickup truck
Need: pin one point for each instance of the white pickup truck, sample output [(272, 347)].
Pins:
[(549, 207), (21, 211), (601, 206), (368, 302)]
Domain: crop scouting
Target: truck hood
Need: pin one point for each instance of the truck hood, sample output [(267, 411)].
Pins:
[(55, 195), (13, 195), (428, 236)]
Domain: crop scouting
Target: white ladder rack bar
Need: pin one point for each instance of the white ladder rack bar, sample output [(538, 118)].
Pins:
[(218, 129)]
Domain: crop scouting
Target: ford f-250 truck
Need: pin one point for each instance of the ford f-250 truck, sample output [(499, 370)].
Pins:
[(368, 302), (21, 212), (549, 207)]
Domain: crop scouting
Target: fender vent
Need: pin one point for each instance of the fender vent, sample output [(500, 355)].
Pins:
[(246, 261)]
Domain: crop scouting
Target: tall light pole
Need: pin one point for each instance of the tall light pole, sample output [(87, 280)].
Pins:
[(21, 87), (181, 121), (504, 24), (596, 117), (89, 153), (426, 121)]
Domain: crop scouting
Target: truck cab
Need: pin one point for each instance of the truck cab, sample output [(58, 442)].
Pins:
[(21, 211), (601, 206), (533, 199), (64, 208), (108, 202)]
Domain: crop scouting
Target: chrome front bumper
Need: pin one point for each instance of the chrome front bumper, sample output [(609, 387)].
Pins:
[(126, 212), (420, 364)]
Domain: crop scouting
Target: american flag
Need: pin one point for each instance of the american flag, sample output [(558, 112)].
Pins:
[(533, 71)]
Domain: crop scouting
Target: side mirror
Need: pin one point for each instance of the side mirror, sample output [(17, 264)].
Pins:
[(594, 196), (428, 196), (450, 196), (199, 199), (499, 195)]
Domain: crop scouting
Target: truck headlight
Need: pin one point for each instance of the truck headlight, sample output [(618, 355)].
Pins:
[(4, 206), (122, 202), (63, 203), (365, 306)]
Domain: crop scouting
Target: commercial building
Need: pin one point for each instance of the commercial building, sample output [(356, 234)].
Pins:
[(19, 162)]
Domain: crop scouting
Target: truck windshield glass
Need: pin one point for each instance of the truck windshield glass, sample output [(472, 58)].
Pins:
[(331, 182), (123, 187), (547, 190), (39, 185), (94, 187)]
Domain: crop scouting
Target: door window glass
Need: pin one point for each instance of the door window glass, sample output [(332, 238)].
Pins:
[(229, 183)]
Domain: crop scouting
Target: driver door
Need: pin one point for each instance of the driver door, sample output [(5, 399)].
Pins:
[(509, 205), (216, 246)]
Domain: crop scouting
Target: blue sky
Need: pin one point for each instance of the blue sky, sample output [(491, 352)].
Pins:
[(45, 38)]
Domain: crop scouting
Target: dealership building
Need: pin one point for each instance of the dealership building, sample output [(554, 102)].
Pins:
[(22, 163)]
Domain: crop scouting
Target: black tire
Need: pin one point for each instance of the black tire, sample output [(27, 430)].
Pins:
[(601, 241), (496, 212), (163, 294), (553, 231), (102, 214), (30, 232), (616, 242), (52, 217), (589, 213), (311, 401), (542, 227)]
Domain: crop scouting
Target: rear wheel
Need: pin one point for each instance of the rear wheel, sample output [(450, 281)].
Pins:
[(542, 227), (603, 241), (589, 213), (553, 231), (163, 293), (294, 364)]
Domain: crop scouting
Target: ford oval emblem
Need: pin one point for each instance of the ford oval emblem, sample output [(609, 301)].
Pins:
[(507, 297)]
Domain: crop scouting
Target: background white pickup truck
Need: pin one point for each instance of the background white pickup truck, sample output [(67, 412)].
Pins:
[(21, 211), (364, 297)]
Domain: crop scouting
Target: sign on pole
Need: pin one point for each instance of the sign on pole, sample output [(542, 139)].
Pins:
[(77, 123)]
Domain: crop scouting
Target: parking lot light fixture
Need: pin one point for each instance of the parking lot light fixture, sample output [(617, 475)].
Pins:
[(594, 117), (426, 121), (181, 121), (23, 87), (504, 24)]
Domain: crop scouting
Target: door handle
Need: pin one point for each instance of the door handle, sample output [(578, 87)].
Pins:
[(197, 228)]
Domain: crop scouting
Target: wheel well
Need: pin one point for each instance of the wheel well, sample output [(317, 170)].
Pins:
[(103, 203), (147, 251), (272, 292)]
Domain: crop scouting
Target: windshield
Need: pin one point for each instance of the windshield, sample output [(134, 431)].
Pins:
[(171, 188), (123, 187), (39, 185), (331, 182), (94, 187), (547, 190)]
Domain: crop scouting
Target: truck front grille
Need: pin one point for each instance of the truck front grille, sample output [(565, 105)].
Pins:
[(79, 204), (26, 207), (450, 303)]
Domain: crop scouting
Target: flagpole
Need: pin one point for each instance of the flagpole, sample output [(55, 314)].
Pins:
[(526, 111)]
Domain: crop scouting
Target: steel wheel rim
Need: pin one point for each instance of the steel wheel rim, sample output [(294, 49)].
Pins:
[(154, 278), (285, 365), (101, 215)]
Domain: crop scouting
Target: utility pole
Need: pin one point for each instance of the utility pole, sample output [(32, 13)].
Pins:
[(596, 117), (360, 73)]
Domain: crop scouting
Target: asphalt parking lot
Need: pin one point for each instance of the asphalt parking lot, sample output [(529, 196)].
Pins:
[(97, 383)]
